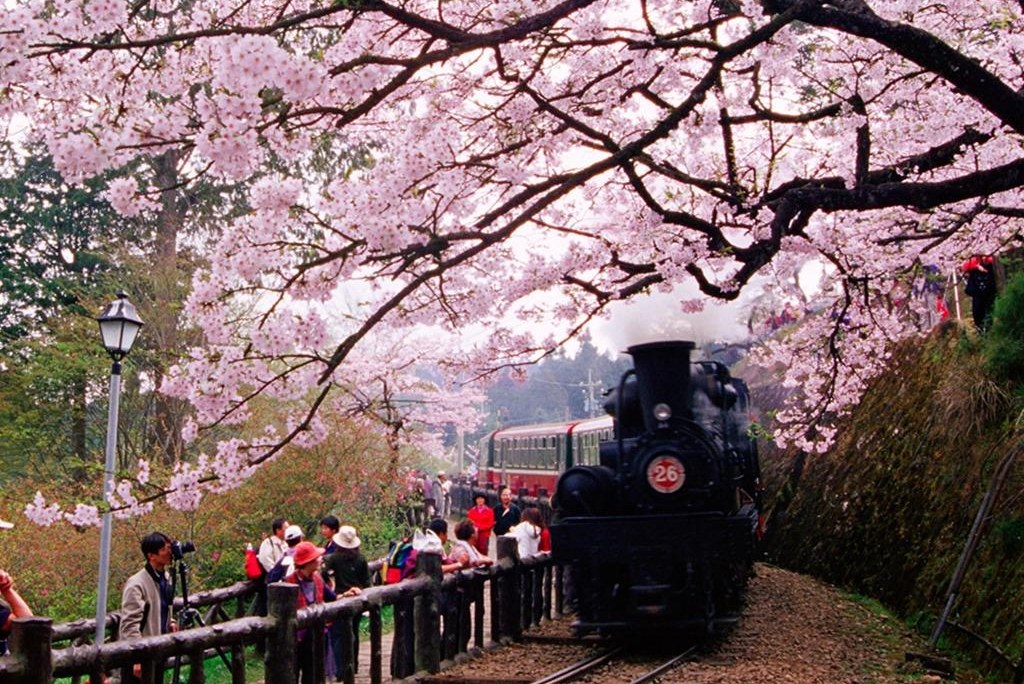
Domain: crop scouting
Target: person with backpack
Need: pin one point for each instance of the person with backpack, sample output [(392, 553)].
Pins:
[(284, 566), (274, 546), (396, 562), (980, 272)]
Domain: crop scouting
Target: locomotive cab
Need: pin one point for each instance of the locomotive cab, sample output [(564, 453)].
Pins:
[(658, 536)]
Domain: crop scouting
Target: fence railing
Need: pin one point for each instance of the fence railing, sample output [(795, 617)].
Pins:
[(436, 617)]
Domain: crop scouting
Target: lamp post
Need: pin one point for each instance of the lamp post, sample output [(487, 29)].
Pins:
[(119, 325)]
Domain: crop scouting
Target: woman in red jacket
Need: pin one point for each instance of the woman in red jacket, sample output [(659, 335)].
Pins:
[(483, 517)]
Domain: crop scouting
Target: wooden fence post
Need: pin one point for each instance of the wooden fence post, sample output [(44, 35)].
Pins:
[(344, 641), (376, 647), (510, 611), (478, 612), (31, 643), (279, 661), (428, 615), (403, 660)]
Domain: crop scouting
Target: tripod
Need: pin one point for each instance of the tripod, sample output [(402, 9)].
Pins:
[(189, 617)]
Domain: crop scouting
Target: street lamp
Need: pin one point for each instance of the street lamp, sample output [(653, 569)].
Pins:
[(119, 325)]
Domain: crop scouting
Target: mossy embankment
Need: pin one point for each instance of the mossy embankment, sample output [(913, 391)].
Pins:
[(887, 511)]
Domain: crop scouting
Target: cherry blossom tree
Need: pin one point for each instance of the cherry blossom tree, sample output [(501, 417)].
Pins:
[(518, 166)]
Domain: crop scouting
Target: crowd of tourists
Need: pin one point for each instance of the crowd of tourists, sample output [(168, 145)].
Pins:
[(334, 569)]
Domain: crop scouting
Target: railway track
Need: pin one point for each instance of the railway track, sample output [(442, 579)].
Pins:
[(608, 659), (622, 664)]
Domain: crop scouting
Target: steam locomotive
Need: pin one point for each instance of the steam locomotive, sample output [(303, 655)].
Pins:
[(660, 535)]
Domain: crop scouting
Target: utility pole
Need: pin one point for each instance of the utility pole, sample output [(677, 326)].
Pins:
[(589, 390)]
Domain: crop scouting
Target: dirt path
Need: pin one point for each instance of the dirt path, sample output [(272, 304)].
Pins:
[(795, 630)]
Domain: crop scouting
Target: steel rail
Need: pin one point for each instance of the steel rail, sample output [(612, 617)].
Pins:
[(586, 665), (666, 666)]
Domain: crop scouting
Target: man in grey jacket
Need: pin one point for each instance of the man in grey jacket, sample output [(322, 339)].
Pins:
[(149, 594)]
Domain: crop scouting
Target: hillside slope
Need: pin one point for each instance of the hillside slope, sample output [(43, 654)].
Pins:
[(887, 511)]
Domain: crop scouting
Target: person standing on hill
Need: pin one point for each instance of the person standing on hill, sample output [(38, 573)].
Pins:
[(506, 513), (483, 517), (980, 274)]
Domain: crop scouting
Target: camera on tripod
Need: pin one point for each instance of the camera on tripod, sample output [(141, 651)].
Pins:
[(180, 548)]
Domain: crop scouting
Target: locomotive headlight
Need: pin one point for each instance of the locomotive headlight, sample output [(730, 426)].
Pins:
[(662, 412)]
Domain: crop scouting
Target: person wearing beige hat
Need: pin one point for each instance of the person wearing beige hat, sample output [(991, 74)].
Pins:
[(347, 571)]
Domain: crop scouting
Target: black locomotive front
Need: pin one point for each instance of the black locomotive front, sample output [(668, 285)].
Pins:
[(661, 535)]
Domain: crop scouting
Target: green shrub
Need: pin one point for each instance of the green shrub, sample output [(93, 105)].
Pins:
[(1004, 344)]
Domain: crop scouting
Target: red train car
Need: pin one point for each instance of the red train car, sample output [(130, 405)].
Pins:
[(533, 456)]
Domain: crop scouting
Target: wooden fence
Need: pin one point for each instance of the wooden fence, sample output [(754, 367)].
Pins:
[(436, 617)]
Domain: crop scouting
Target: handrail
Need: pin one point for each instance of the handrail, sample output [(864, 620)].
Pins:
[(86, 627), (449, 611)]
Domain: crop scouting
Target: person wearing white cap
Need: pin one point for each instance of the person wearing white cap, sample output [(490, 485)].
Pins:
[(347, 571), (292, 537)]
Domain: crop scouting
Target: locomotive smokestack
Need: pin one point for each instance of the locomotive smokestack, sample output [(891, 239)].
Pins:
[(663, 378)]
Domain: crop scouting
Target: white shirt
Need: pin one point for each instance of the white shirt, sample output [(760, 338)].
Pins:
[(528, 537), (271, 551)]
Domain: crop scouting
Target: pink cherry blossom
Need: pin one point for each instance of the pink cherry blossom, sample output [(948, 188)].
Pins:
[(466, 185)]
